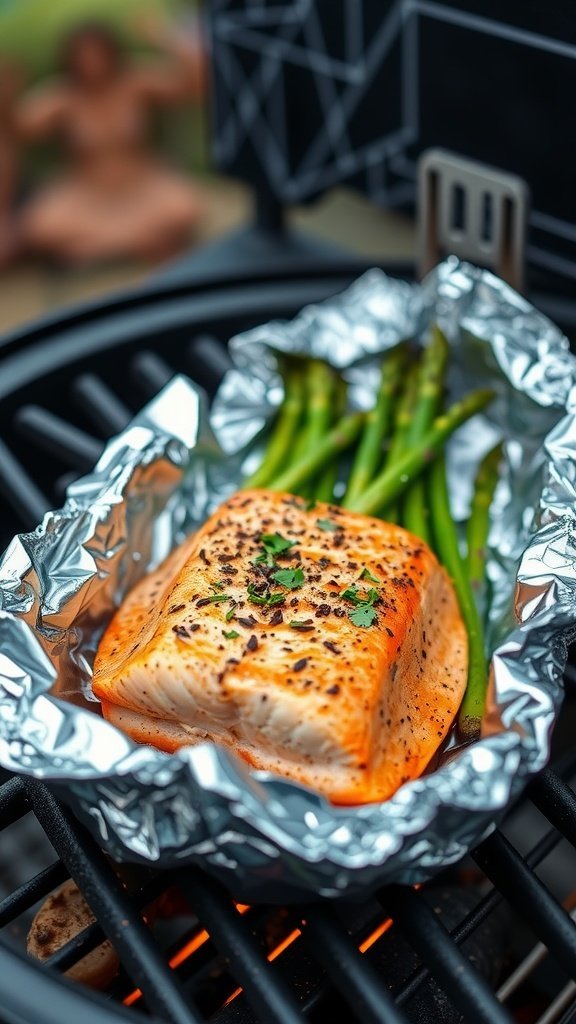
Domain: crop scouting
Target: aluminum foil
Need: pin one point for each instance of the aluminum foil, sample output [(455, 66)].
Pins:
[(267, 838)]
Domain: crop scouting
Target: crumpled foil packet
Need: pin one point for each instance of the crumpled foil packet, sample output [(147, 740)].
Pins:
[(267, 838)]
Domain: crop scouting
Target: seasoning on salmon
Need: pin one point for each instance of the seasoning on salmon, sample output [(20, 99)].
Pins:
[(350, 690)]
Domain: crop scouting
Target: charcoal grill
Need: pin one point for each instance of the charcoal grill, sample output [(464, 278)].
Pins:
[(440, 953)]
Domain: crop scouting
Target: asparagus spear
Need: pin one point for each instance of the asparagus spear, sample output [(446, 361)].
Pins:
[(397, 477), (402, 422), (403, 419), (336, 440), (284, 431), (324, 490), (446, 538), (318, 388), (430, 385), (479, 522), (378, 422)]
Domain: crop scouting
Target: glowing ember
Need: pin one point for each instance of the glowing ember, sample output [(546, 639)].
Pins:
[(201, 937)]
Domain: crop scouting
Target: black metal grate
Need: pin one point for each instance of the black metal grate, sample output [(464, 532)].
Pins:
[(434, 954), (317, 960)]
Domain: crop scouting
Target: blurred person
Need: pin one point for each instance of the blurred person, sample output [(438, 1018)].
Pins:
[(115, 199)]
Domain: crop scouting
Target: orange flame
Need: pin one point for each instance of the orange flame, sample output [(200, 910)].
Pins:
[(183, 954), (201, 937)]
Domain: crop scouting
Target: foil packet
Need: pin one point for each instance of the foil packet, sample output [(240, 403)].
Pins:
[(265, 837)]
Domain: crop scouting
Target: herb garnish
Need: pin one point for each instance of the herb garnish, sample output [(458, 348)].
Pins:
[(264, 597), (364, 613), (230, 614), (231, 635), (217, 586), (304, 625), (274, 544), (289, 578), (328, 524), (367, 575), (212, 600)]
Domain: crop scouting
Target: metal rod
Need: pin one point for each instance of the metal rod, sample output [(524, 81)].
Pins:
[(557, 802), (113, 909), (26, 895), (151, 372), (265, 988), (475, 918), (13, 802), (209, 360), (563, 999), (530, 898), (55, 435), (100, 403), (20, 490), (465, 987), (353, 975)]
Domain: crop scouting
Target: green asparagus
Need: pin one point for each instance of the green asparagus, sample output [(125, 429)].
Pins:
[(284, 431), (394, 480), (370, 449), (337, 440), (446, 540), (430, 387), (328, 478), (479, 521)]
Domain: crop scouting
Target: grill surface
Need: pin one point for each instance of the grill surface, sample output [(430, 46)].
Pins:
[(466, 947)]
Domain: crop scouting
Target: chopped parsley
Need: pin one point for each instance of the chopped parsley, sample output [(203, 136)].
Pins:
[(217, 586), (328, 524), (364, 613), (304, 625), (264, 598), (231, 635), (289, 578), (230, 614), (274, 544), (367, 575)]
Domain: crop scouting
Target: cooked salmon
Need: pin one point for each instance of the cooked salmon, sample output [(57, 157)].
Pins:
[(316, 643)]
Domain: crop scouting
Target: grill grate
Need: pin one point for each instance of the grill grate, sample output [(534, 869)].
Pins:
[(402, 956), (344, 964)]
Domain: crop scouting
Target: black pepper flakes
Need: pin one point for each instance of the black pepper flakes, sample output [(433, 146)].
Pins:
[(277, 618), (331, 646), (202, 554), (323, 610), (248, 621), (333, 690), (252, 644), (176, 608), (300, 665), (180, 630)]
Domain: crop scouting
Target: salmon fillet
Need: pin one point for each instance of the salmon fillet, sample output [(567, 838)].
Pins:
[(316, 643)]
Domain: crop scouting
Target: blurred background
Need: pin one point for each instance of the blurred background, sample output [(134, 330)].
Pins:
[(106, 158)]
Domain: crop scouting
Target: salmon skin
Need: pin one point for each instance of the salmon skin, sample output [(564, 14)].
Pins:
[(316, 643)]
